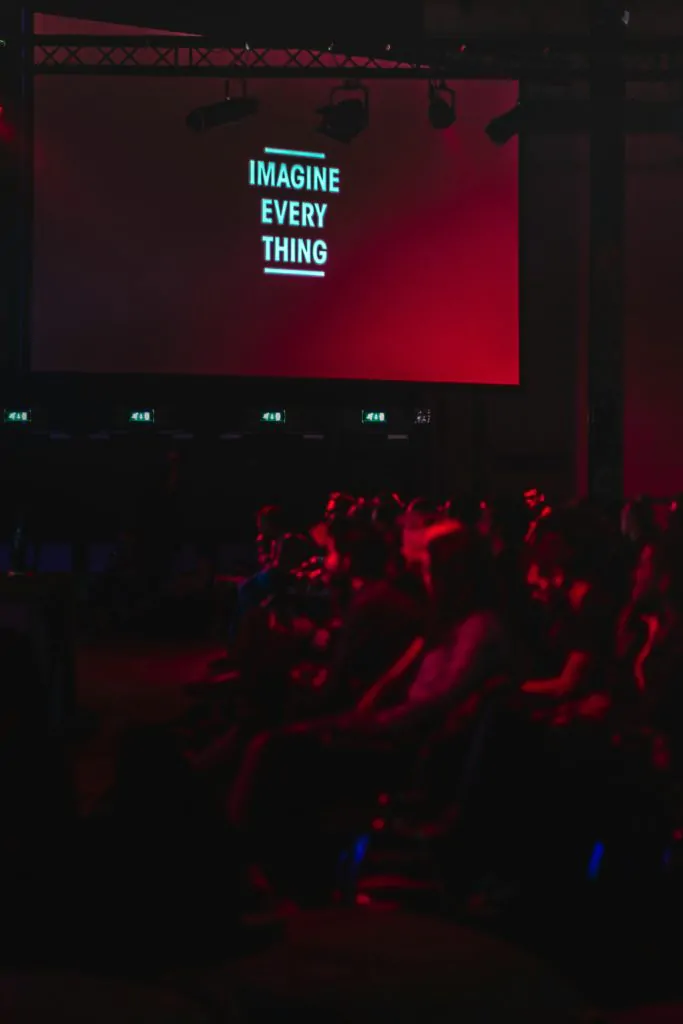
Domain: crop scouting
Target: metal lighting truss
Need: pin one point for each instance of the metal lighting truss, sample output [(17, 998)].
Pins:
[(555, 60)]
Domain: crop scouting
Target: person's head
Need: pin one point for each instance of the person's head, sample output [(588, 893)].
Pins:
[(361, 511), (458, 573), (416, 520), (386, 509), (270, 522), (535, 500), (567, 547), (338, 506), (503, 524), (638, 521), (462, 507), (358, 551), (293, 549)]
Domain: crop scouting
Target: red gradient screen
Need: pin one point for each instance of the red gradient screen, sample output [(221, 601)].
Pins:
[(149, 239)]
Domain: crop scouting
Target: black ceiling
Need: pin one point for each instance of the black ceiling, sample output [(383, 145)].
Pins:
[(310, 22), (303, 22)]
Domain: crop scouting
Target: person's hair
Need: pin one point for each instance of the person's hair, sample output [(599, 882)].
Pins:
[(461, 576), (386, 508), (424, 507), (463, 508), (294, 549), (574, 542), (271, 517), (364, 544), (361, 511), (510, 520), (339, 505)]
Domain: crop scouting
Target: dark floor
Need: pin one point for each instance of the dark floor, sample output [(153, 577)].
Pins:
[(125, 682)]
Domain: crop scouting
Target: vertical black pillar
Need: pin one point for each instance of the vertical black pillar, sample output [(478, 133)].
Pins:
[(607, 213), (16, 185), (481, 446)]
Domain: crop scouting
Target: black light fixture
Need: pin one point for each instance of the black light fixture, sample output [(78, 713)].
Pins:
[(346, 115), (504, 127), (441, 105), (227, 111)]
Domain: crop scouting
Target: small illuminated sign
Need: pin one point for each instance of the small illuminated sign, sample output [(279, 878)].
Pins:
[(274, 416), (423, 417), (288, 172), (17, 416), (374, 417), (141, 416)]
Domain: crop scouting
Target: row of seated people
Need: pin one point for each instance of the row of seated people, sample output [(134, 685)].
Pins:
[(460, 656), (476, 661)]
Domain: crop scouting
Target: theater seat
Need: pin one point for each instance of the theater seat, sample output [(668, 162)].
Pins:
[(359, 966), (397, 866)]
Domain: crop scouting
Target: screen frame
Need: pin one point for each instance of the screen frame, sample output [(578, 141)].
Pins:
[(247, 392)]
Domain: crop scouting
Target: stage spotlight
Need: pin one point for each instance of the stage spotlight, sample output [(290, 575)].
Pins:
[(441, 105), (344, 118), (227, 111), (505, 127)]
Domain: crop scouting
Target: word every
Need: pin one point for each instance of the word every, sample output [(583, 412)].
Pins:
[(293, 213), (294, 255)]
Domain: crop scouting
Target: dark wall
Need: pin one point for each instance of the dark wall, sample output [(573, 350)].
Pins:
[(539, 433), (654, 304), (506, 439)]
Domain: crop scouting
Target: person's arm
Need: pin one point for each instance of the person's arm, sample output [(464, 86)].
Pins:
[(442, 682), (369, 700), (570, 678)]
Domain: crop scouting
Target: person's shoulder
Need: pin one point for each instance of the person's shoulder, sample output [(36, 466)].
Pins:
[(385, 599), (380, 591), (485, 625), (486, 618), (372, 597)]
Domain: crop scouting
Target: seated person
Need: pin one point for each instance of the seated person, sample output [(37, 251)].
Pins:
[(386, 509), (466, 643), (379, 618), (556, 737), (338, 506), (638, 528), (658, 667), (567, 574), (291, 667), (504, 527), (465, 648), (260, 586)]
